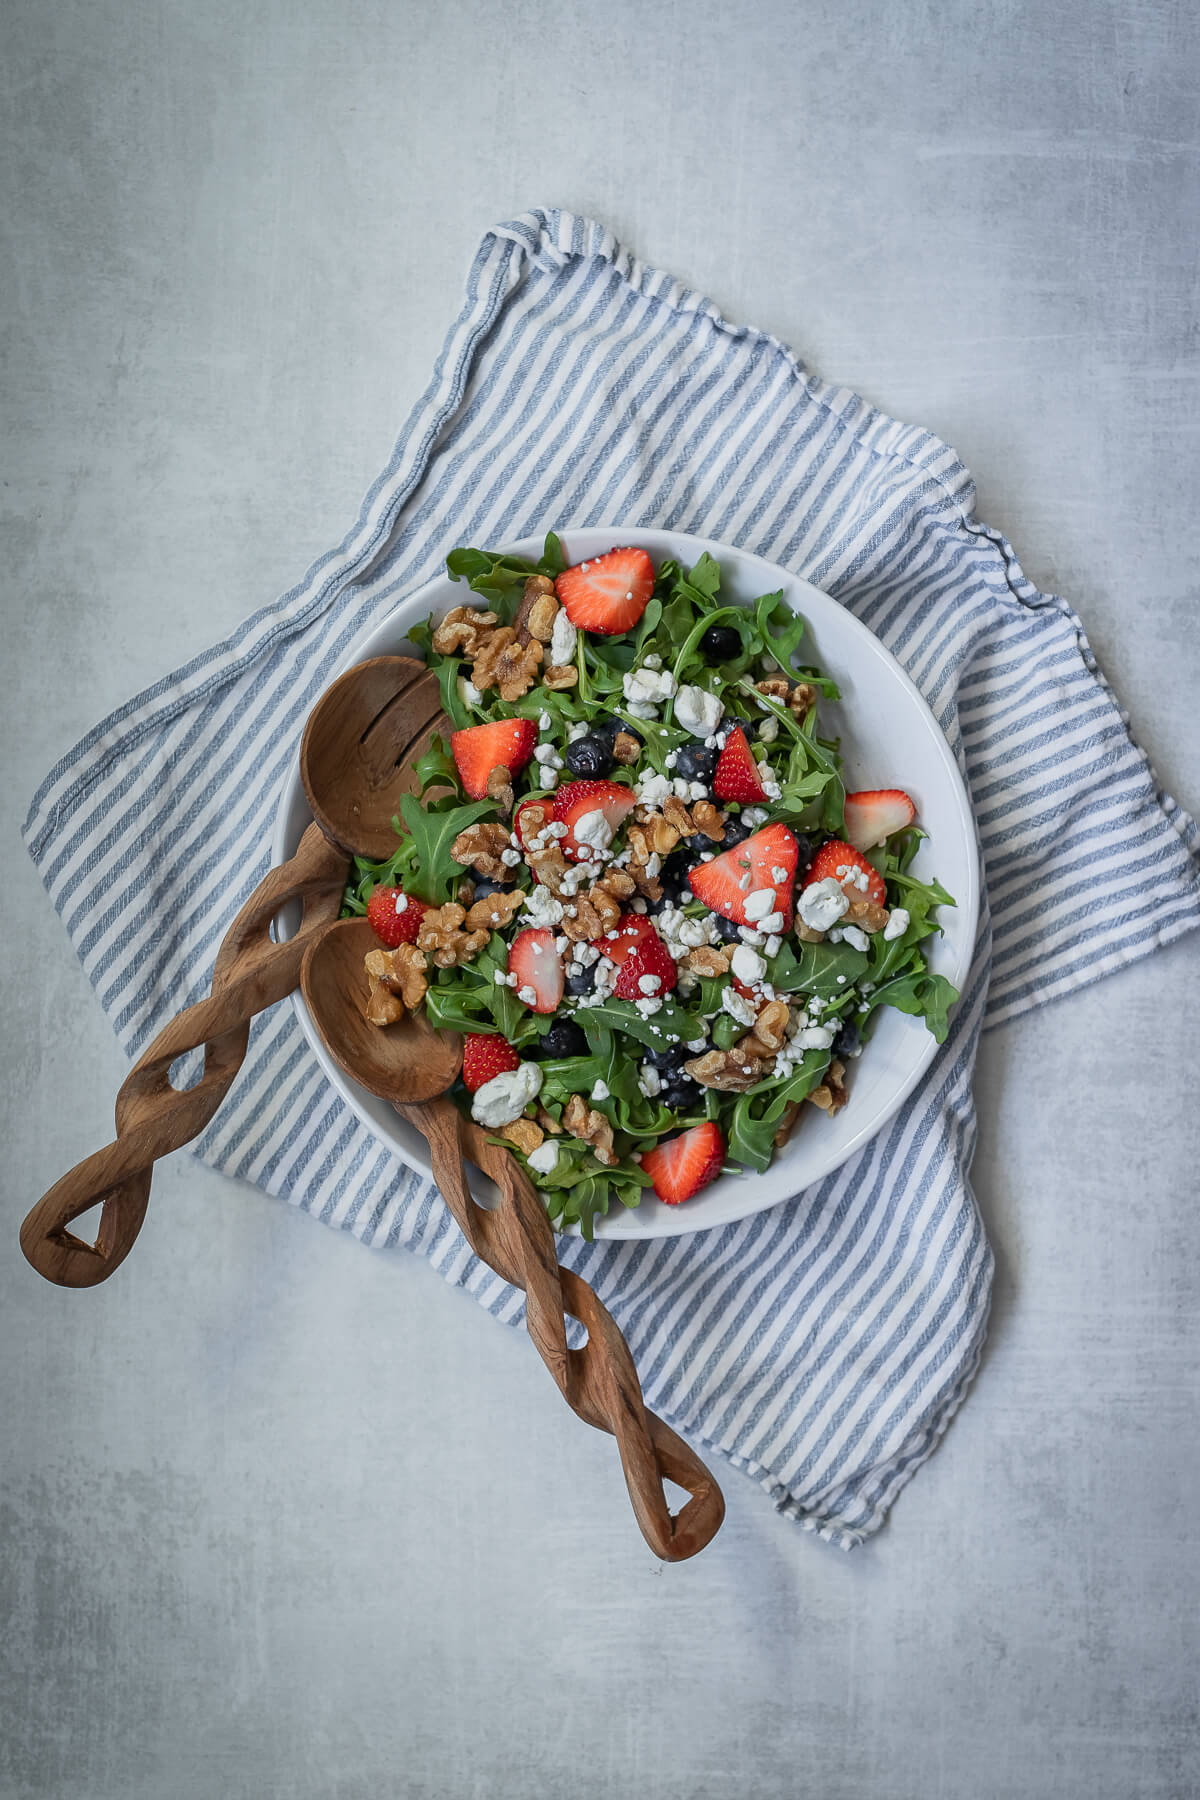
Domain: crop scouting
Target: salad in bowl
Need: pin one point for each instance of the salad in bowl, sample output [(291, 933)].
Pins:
[(631, 876)]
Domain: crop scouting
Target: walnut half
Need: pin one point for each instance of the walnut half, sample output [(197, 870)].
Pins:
[(831, 1096), (441, 934), (396, 979), (733, 1071), (590, 1127), (480, 847)]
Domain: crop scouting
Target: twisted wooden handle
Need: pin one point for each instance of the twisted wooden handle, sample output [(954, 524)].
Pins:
[(153, 1117), (599, 1381)]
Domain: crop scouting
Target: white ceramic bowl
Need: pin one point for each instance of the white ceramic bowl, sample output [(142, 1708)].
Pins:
[(889, 738)]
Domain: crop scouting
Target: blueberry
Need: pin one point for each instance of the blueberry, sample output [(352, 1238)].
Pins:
[(697, 843), (680, 1095), (720, 643), (728, 929), (564, 1038), (670, 1058), (584, 982), (695, 763), (736, 830), (590, 758), (677, 867), (484, 887), (613, 729), (670, 897), (848, 1040)]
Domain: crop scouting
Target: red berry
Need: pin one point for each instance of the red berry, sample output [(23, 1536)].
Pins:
[(607, 593), (506, 744), (630, 932), (874, 814), (680, 1166), (650, 961), (843, 862), (736, 776), (766, 860), (574, 802), (538, 968), (394, 916), (484, 1057)]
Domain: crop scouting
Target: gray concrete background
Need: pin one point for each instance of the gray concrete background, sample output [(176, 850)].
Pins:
[(283, 1517)]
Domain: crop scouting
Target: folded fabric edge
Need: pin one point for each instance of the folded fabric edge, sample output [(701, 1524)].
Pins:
[(1036, 994)]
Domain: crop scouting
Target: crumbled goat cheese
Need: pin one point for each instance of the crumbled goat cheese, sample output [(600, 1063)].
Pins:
[(649, 1080), (649, 685), (562, 641), (815, 1037), (823, 903), (771, 924), (510, 857), (736, 1007), (698, 711), (600, 1091), (760, 903), (649, 984), (543, 908), (468, 692), (544, 1158), (852, 935), (548, 756), (652, 789), (641, 709), (594, 830), (768, 731), (747, 964), (505, 1097), (897, 924)]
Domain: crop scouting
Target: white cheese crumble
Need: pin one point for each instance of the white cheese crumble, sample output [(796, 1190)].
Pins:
[(814, 1037), (853, 935), (736, 1007), (649, 1080), (822, 904), (542, 907), (698, 711), (649, 984), (510, 857), (594, 830), (648, 685), (897, 924), (747, 964), (600, 1090), (469, 694), (759, 903), (544, 1158), (653, 789), (562, 641), (505, 1097)]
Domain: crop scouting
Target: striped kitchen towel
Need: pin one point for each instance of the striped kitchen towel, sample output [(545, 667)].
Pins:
[(822, 1346)]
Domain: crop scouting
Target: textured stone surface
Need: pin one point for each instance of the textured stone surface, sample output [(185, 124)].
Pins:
[(282, 1517)]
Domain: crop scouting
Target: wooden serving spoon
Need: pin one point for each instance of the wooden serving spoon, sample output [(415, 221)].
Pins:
[(356, 760), (412, 1064)]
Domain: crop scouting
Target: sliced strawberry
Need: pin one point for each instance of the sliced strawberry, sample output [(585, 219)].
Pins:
[(874, 814), (736, 776), (506, 744), (394, 916), (484, 1057), (631, 931), (531, 818), (608, 593), (680, 1166), (538, 968), (844, 863), (573, 803), (766, 860), (651, 963)]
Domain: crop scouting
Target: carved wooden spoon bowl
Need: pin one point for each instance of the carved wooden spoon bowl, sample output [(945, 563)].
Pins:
[(356, 760), (411, 1064)]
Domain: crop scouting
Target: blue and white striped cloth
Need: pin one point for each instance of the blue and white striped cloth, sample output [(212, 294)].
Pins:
[(822, 1346)]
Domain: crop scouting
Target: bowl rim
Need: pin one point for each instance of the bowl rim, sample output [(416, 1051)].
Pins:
[(741, 1203)]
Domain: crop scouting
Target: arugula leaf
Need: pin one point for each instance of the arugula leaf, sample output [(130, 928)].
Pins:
[(919, 993), (622, 1015), (434, 871)]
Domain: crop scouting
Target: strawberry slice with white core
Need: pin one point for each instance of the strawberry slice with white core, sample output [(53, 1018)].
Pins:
[(538, 968), (874, 814), (681, 1166), (647, 972), (593, 812), (607, 594), (506, 744), (752, 883), (839, 861)]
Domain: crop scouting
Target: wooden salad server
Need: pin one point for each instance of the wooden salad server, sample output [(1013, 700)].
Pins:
[(356, 759), (412, 1064)]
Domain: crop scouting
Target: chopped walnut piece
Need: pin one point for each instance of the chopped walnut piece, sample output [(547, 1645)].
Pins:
[(791, 1113), (548, 1122), (626, 748), (441, 934), (524, 1134), (797, 698), (866, 913), (651, 835), (706, 819), (559, 676), (504, 663), (831, 1096), (595, 913), (480, 847), (550, 866), (590, 1127), (802, 696), (618, 883), (806, 934), (775, 687), (394, 976), (707, 960), (733, 1071), (537, 611), (495, 911), (463, 630), (677, 814), (769, 1031), (499, 787)]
